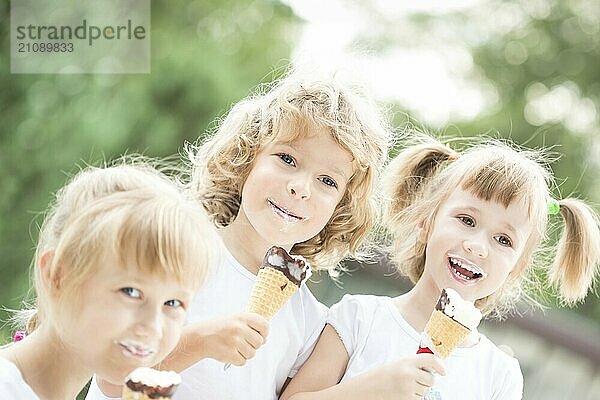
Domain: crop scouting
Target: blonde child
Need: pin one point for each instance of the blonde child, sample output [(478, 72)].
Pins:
[(119, 257), (293, 167), (472, 222)]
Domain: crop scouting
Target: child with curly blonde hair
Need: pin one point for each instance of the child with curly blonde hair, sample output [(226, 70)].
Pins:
[(116, 266), (295, 167), (471, 221)]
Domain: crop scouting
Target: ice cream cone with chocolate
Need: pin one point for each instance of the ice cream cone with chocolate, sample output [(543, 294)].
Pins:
[(278, 279), (150, 384), (450, 323)]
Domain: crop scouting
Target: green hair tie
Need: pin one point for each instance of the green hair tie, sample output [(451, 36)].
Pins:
[(553, 207)]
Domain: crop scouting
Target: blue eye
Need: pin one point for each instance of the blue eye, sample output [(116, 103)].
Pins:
[(286, 158), (131, 292), (174, 303), (503, 240), (329, 182)]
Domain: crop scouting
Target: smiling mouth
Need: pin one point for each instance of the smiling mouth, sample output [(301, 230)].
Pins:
[(135, 349), (287, 215), (463, 271)]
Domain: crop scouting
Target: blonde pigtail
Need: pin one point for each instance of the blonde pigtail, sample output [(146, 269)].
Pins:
[(32, 322), (578, 252), (410, 169)]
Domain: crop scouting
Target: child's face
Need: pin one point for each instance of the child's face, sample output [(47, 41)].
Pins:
[(474, 244), (293, 188), (125, 318)]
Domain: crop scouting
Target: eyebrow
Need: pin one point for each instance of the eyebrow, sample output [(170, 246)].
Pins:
[(512, 230), (507, 225)]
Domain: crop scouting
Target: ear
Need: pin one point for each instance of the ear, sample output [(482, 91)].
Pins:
[(50, 277)]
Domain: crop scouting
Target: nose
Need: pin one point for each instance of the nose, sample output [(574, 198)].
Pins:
[(299, 187), (149, 323), (475, 247)]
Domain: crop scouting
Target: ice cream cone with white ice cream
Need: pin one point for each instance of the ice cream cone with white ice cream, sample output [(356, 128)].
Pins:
[(450, 323), (150, 384), (278, 279)]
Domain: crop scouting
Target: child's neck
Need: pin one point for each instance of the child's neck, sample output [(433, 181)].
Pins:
[(47, 367), (416, 306), (245, 245)]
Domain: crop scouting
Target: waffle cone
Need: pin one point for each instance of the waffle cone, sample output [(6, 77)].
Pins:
[(445, 333), (271, 290), (129, 394)]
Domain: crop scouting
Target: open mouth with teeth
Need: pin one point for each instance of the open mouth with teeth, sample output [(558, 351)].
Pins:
[(464, 272), (283, 213)]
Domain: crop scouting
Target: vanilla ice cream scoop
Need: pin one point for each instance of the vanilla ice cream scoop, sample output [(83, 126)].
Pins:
[(462, 311), (146, 383), (449, 324)]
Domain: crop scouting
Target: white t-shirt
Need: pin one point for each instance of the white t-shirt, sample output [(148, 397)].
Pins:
[(375, 333), (293, 332), (12, 385)]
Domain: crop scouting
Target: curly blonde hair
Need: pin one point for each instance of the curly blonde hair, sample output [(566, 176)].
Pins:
[(221, 165), (424, 175)]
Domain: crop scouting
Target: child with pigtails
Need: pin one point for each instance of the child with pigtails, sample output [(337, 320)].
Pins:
[(474, 222)]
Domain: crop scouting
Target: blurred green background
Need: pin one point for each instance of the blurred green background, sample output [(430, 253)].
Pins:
[(528, 71)]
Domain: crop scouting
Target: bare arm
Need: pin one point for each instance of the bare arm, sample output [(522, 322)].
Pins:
[(319, 377), (232, 339), (324, 368)]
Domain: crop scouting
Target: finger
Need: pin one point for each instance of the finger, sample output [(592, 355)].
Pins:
[(258, 323), (431, 363), (425, 378), (421, 392), (254, 339), (246, 350), (238, 360)]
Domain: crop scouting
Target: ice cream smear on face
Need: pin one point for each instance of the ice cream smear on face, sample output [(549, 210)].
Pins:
[(449, 324), (148, 383), (296, 269), (462, 311)]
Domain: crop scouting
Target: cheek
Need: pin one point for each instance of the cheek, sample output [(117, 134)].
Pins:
[(323, 209), (172, 332), (255, 191)]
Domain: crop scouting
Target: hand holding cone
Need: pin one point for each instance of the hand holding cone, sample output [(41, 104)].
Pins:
[(278, 279)]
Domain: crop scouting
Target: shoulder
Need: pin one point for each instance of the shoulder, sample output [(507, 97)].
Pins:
[(8, 371), (305, 303), (353, 317), (12, 385), (502, 362), (359, 304)]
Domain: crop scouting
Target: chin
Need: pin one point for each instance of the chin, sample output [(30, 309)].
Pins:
[(279, 237)]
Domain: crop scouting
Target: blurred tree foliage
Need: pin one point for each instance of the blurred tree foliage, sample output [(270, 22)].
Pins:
[(205, 56)]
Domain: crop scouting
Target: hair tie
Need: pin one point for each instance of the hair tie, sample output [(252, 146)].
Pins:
[(553, 207), (19, 335), (453, 157)]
